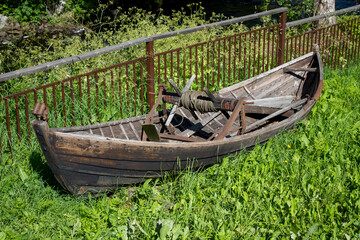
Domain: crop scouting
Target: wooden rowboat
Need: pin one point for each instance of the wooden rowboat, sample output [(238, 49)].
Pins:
[(105, 156)]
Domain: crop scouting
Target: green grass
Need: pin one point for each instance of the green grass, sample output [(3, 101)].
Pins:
[(304, 183)]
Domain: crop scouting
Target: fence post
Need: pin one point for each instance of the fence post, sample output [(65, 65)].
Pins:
[(150, 74), (281, 48)]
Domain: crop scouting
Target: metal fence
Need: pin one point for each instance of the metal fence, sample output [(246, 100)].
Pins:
[(127, 89)]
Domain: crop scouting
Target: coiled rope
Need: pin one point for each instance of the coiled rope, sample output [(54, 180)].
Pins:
[(197, 101)]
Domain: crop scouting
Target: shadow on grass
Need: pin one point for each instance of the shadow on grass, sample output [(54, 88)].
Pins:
[(45, 173)]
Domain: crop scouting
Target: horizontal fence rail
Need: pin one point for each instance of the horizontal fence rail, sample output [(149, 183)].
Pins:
[(80, 57), (127, 89)]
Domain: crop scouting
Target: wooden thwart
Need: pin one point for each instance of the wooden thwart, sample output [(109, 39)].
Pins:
[(288, 69)]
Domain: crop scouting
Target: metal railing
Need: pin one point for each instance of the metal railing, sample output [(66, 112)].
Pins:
[(128, 89)]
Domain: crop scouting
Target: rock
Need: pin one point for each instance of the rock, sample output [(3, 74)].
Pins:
[(3, 21)]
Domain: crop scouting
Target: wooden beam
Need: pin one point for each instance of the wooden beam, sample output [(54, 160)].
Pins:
[(277, 113), (316, 18), (117, 47), (287, 69)]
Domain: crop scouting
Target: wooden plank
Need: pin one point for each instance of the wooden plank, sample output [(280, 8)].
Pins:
[(112, 132), (248, 92), (274, 102), (151, 132), (318, 17), (197, 127), (123, 131), (277, 113), (289, 69), (269, 74), (181, 138), (134, 130)]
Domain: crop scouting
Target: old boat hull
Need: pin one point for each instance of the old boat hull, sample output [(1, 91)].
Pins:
[(83, 161)]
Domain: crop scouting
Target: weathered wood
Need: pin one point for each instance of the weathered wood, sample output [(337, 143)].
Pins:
[(316, 18), (231, 120), (300, 69), (151, 132), (198, 126), (275, 114), (84, 162), (181, 138), (274, 102), (117, 47), (248, 92), (123, 131), (134, 130)]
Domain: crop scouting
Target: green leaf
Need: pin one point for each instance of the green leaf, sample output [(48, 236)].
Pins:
[(305, 140), (166, 226), (2, 236), (22, 174), (176, 232), (356, 126), (185, 233)]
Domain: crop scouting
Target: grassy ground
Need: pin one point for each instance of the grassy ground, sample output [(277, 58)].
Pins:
[(304, 183)]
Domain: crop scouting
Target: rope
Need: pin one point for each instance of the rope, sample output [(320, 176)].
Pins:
[(197, 101)]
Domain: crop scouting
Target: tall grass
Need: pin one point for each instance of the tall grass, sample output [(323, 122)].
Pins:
[(304, 183)]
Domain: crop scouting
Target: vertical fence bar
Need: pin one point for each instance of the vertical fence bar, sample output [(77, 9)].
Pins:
[(263, 61), (234, 68), (17, 117), (202, 67), (178, 65), (239, 71), (63, 101), (150, 74), (165, 68), (97, 95), (72, 102), (172, 65), (89, 97), (127, 86), (207, 63), (281, 48), (27, 117), (45, 96), (135, 87), (254, 60), (8, 125), (104, 89), (159, 68), (229, 63), (54, 102), (357, 40), (213, 63), (224, 63), (337, 51), (120, 94), (218, 70), (81, 104), (142, 85), (196, 65), (259, 56)]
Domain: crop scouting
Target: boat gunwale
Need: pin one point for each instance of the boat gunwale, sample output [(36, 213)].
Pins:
[(288, 121)]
